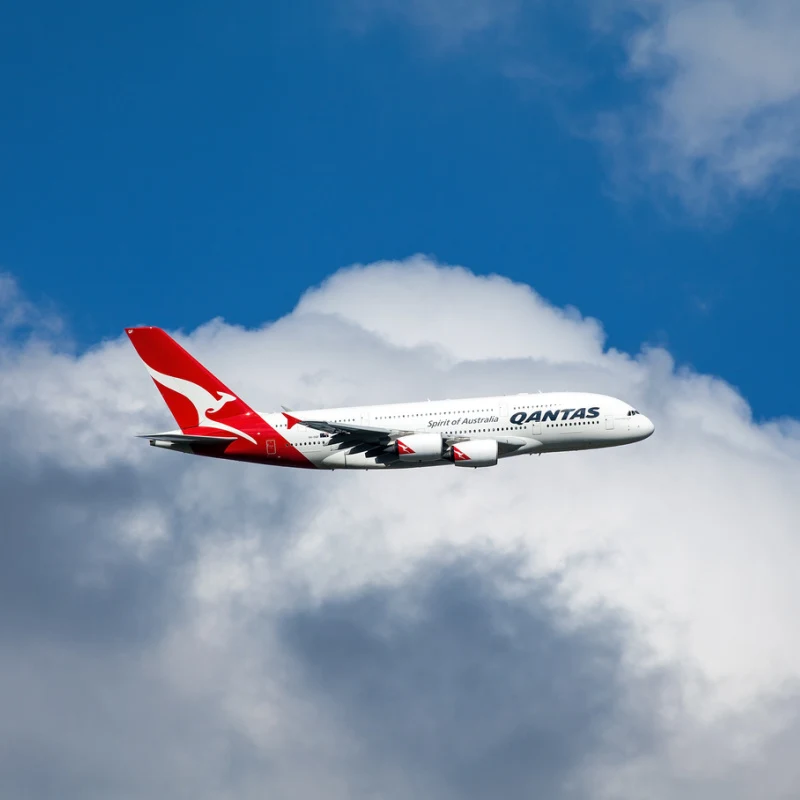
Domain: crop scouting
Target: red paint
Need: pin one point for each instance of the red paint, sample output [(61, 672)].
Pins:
[(292, 421), (219, 404), (403, 449)]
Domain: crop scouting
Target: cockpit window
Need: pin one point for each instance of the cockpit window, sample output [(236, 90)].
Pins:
[(632, 413)]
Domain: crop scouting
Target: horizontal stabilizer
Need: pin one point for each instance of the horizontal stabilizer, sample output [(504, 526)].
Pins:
[(185, 438)]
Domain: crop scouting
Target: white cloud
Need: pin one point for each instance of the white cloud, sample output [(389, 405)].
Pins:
[(440, 308), (333, 631), (717, 109), (722, 82), (17, 313)]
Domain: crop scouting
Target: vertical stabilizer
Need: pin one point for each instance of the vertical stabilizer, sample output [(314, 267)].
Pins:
[(196, 397)]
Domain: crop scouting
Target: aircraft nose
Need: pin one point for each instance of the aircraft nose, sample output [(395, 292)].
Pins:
[(646, 426)]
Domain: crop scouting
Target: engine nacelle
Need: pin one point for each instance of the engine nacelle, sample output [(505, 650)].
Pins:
[(420, 447), (475, 453)]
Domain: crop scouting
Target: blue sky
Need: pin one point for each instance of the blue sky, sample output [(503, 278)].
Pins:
[(188, 161)]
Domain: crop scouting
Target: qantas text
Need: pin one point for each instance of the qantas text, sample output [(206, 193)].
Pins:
[(522, 417)]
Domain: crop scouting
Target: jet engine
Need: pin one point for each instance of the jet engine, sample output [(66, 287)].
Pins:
[(475, 453), (420, 447)]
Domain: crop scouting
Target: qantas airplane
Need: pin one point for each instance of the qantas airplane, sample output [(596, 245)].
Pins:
[(466, 433)]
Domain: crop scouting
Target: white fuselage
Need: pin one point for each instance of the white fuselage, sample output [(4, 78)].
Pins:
[(521, 424)]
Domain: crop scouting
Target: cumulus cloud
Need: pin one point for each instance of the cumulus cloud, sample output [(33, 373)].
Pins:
[(418, 302), (469, 688), (603, 624)]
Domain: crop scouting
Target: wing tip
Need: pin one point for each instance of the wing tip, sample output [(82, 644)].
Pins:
[(291, 421)]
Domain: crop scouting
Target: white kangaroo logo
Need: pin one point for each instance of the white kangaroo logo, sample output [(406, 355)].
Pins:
[(203, 401)]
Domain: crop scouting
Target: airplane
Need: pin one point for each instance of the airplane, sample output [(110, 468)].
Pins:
[(214, 421)]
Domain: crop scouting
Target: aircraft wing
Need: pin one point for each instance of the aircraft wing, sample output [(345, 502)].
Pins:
[(364, 433)]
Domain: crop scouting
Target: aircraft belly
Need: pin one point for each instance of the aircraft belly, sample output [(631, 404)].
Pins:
[(344, 460)]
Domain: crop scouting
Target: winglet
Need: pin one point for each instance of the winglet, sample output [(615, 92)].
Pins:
[(291, 420)]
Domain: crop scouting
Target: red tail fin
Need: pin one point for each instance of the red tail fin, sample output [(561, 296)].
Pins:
[(195, 397)]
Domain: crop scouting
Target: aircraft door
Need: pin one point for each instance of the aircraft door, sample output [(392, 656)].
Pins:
[(610, 423), (503, 412), (536, 428)]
